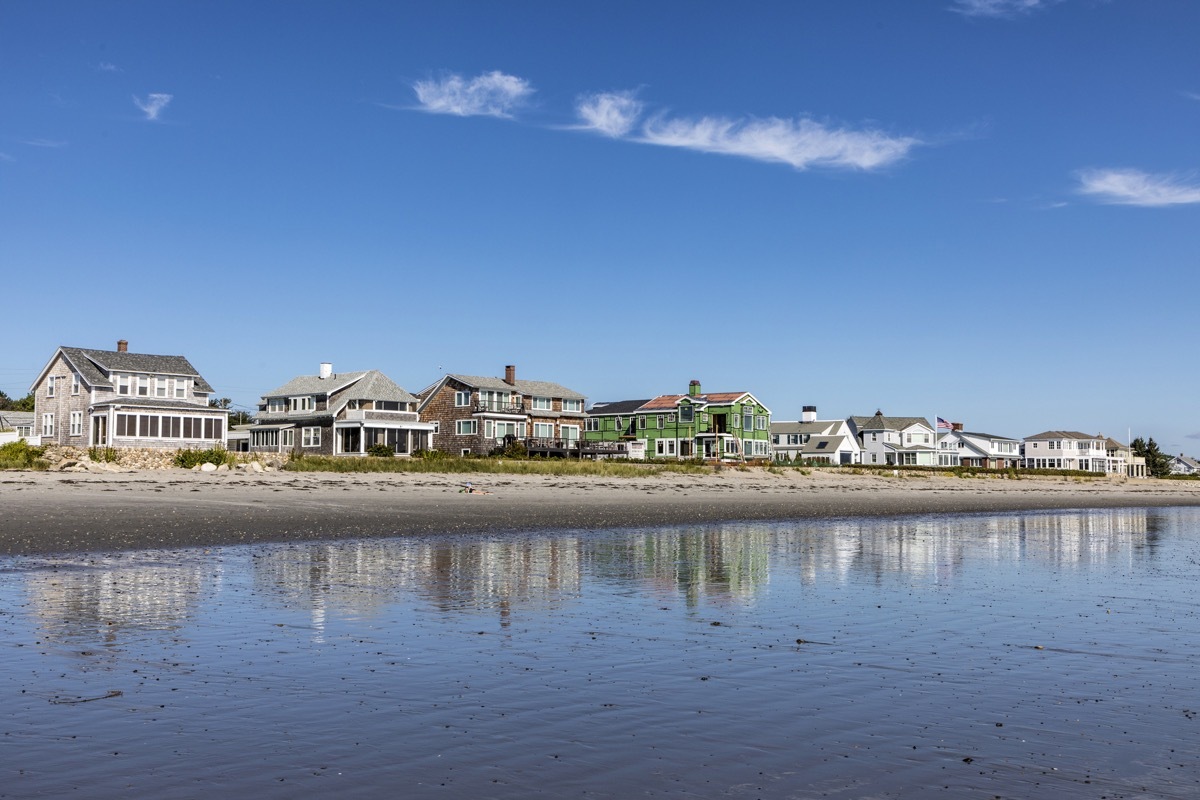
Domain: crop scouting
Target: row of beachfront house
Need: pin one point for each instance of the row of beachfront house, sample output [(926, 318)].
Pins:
[(115, 398)]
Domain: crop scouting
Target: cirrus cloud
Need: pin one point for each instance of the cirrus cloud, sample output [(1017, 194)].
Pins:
[(996, 8), (1133, 187), (800, 143), (610, 113), (493, 94), (153, 105)]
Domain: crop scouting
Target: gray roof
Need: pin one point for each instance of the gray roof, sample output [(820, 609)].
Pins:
[(616, 407), (12, 419), (814, 428), (528, 388), (97, 366), (832, 444), (369, 385), (1063, 435), (156, 402), (988, 436), (881, 423)]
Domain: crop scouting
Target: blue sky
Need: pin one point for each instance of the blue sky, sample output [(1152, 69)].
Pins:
[(985, 210)]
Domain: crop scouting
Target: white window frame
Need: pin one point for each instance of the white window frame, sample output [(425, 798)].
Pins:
[(76, 423), (143, 385), (181, 387), (543, 430), (462, 399), (573, 405), (306, 402), (48, 424), (591, 424), (565, 432), (50, 386), (287, 437), (310, 437), (542, 404), (123, 384), (466, 427), (659, 422), (75, 383)]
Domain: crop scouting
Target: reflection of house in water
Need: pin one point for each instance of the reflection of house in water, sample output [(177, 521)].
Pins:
[(365, 576), (134, 591), (937, 548), (715, 561), (499, 573)]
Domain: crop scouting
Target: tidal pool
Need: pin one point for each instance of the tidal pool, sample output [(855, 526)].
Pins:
[(1018, 655)]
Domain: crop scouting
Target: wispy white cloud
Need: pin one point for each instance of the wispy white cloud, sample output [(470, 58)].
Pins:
[(493, 94), (153, 105), (800, 143), (997, 8), (107, 66), (1191, 95), (610, 113), (1132, 187), (6, 157), (44, 143)]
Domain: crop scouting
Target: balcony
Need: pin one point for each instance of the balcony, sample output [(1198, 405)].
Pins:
[(499, 408)]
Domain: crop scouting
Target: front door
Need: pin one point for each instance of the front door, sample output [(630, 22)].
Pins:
[(100, 431)]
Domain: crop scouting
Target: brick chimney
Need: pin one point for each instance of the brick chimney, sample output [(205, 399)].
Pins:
[(956, 426), (122, 346), (694, 389), (510, 374)]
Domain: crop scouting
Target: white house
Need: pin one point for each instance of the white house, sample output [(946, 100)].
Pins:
[(974, 449), (895, 440), (1184, 465), (1085, 452), (811, 439)]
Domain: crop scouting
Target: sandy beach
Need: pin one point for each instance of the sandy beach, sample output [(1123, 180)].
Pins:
[(54, 512)]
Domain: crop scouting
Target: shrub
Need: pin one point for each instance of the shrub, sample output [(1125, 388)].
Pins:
[(216, 455), (380, 451), (21, 455), (104, 454)]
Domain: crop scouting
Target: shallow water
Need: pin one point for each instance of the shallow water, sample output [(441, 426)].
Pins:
[(1023, 655)]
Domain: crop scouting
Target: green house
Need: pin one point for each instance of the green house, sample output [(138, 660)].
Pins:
[(730, 426)]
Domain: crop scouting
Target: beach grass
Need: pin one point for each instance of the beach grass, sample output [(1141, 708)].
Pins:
[(495, 466)]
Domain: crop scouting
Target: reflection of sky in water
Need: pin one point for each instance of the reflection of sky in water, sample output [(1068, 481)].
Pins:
[(1054, 647)]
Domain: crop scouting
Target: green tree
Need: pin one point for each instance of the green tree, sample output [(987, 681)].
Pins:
[(236, 417), (8, 404), (1158, 464)]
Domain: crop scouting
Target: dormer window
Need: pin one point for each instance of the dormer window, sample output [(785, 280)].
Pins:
[(277, 405), (305, 403), (123, 385), (542, 404), (573, 405), (181, 387)]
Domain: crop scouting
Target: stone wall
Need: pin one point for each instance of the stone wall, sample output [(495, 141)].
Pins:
[(77, 459)]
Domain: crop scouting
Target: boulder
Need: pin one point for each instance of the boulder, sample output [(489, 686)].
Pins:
[(208, 467)]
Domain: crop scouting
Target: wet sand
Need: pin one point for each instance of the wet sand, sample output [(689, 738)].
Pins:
[(56, 513)]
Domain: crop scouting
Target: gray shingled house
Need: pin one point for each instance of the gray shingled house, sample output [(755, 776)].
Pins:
[(476, 415), (115, 398), (338, 414)]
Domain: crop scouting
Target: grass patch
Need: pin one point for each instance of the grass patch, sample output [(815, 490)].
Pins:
[(445, 464)]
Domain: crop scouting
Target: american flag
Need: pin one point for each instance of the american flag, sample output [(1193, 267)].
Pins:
[(943, 425)]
